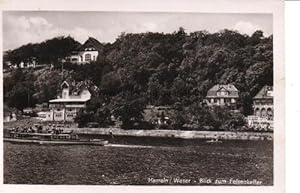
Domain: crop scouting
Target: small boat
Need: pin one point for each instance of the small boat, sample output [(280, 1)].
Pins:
[(214, 141), (52, 139)]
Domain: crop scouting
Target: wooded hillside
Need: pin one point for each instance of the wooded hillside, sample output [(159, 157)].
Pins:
[(150, 68)]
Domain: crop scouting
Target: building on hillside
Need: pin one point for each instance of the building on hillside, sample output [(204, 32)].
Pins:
[(86, 53), (73, 98), (32, 63), (222, 95), (263, 109), (29, 62), (9, 114), (263, 103)]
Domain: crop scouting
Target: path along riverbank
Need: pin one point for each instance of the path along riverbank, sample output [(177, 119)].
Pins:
[(227, 135)]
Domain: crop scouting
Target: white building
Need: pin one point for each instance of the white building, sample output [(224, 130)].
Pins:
[(73, 98), (263, 110), (222, 95), (259, 123), (86, 53), (9, 114)]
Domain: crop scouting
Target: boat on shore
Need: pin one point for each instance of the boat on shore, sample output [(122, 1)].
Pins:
[(52, 139)]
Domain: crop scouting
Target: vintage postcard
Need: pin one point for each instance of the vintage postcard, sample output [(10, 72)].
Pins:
[(155, 96)]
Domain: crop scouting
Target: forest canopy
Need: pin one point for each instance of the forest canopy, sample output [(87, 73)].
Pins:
[(142, 69)]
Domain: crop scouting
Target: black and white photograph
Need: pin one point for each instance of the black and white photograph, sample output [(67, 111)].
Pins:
[(138, 98)]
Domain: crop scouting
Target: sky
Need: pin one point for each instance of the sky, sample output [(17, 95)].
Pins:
[(22, 27)]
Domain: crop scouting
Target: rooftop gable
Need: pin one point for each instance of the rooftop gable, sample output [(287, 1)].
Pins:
[(231, 89), (265, 92), (76, 88), (65, 84), (92, 42), (227, 87)]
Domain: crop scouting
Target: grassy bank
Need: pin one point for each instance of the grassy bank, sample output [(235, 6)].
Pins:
[(157, 133)]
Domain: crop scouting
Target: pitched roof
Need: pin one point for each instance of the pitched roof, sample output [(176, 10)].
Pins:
[(231, 89), (87, 84), (77, 87), (92, 42), (69, 83), (264, 93)]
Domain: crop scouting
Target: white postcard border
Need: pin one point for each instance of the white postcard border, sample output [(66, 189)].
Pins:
[(213, 6)]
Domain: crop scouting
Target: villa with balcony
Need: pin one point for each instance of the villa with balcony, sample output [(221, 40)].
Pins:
[(263, 109), (73, 98)]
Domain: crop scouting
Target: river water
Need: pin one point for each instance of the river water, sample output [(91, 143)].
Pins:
[(141, 161)]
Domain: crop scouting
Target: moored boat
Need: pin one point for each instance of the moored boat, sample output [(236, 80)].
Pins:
[(214, 141), (52, 139)]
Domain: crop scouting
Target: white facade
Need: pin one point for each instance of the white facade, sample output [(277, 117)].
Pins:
[(262, 117), (260, 123), (67, 107), (86, 56), (221, 95), (10, 117), (27, 65), (45, 116)]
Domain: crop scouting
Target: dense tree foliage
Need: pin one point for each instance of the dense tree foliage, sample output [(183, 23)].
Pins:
[(48, 52), (174, 69), (19, 89)]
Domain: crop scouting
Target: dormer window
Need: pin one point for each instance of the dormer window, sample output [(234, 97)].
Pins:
[(89, 49), (222, 93)]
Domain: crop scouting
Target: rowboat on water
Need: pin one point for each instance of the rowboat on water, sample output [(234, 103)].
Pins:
[(52, 139)]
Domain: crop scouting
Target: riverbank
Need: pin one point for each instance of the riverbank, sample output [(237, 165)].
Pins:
[(226, 135)]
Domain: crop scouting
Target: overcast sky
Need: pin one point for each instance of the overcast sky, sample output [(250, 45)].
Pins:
[(21, 27)]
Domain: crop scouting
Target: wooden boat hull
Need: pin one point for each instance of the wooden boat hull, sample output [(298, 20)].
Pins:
[(56, 142), (213, 141)]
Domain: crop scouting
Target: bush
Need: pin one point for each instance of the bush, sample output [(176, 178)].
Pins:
[(165, 127)]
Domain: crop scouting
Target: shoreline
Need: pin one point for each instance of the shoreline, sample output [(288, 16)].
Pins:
[(176, 134), (179, 134)]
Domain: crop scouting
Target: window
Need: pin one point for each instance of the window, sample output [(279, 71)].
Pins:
[(88, 57), (223, 93), (270, 113), (257, 112), (65, 94), (89, 49), (263, 112), (58, 115)]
